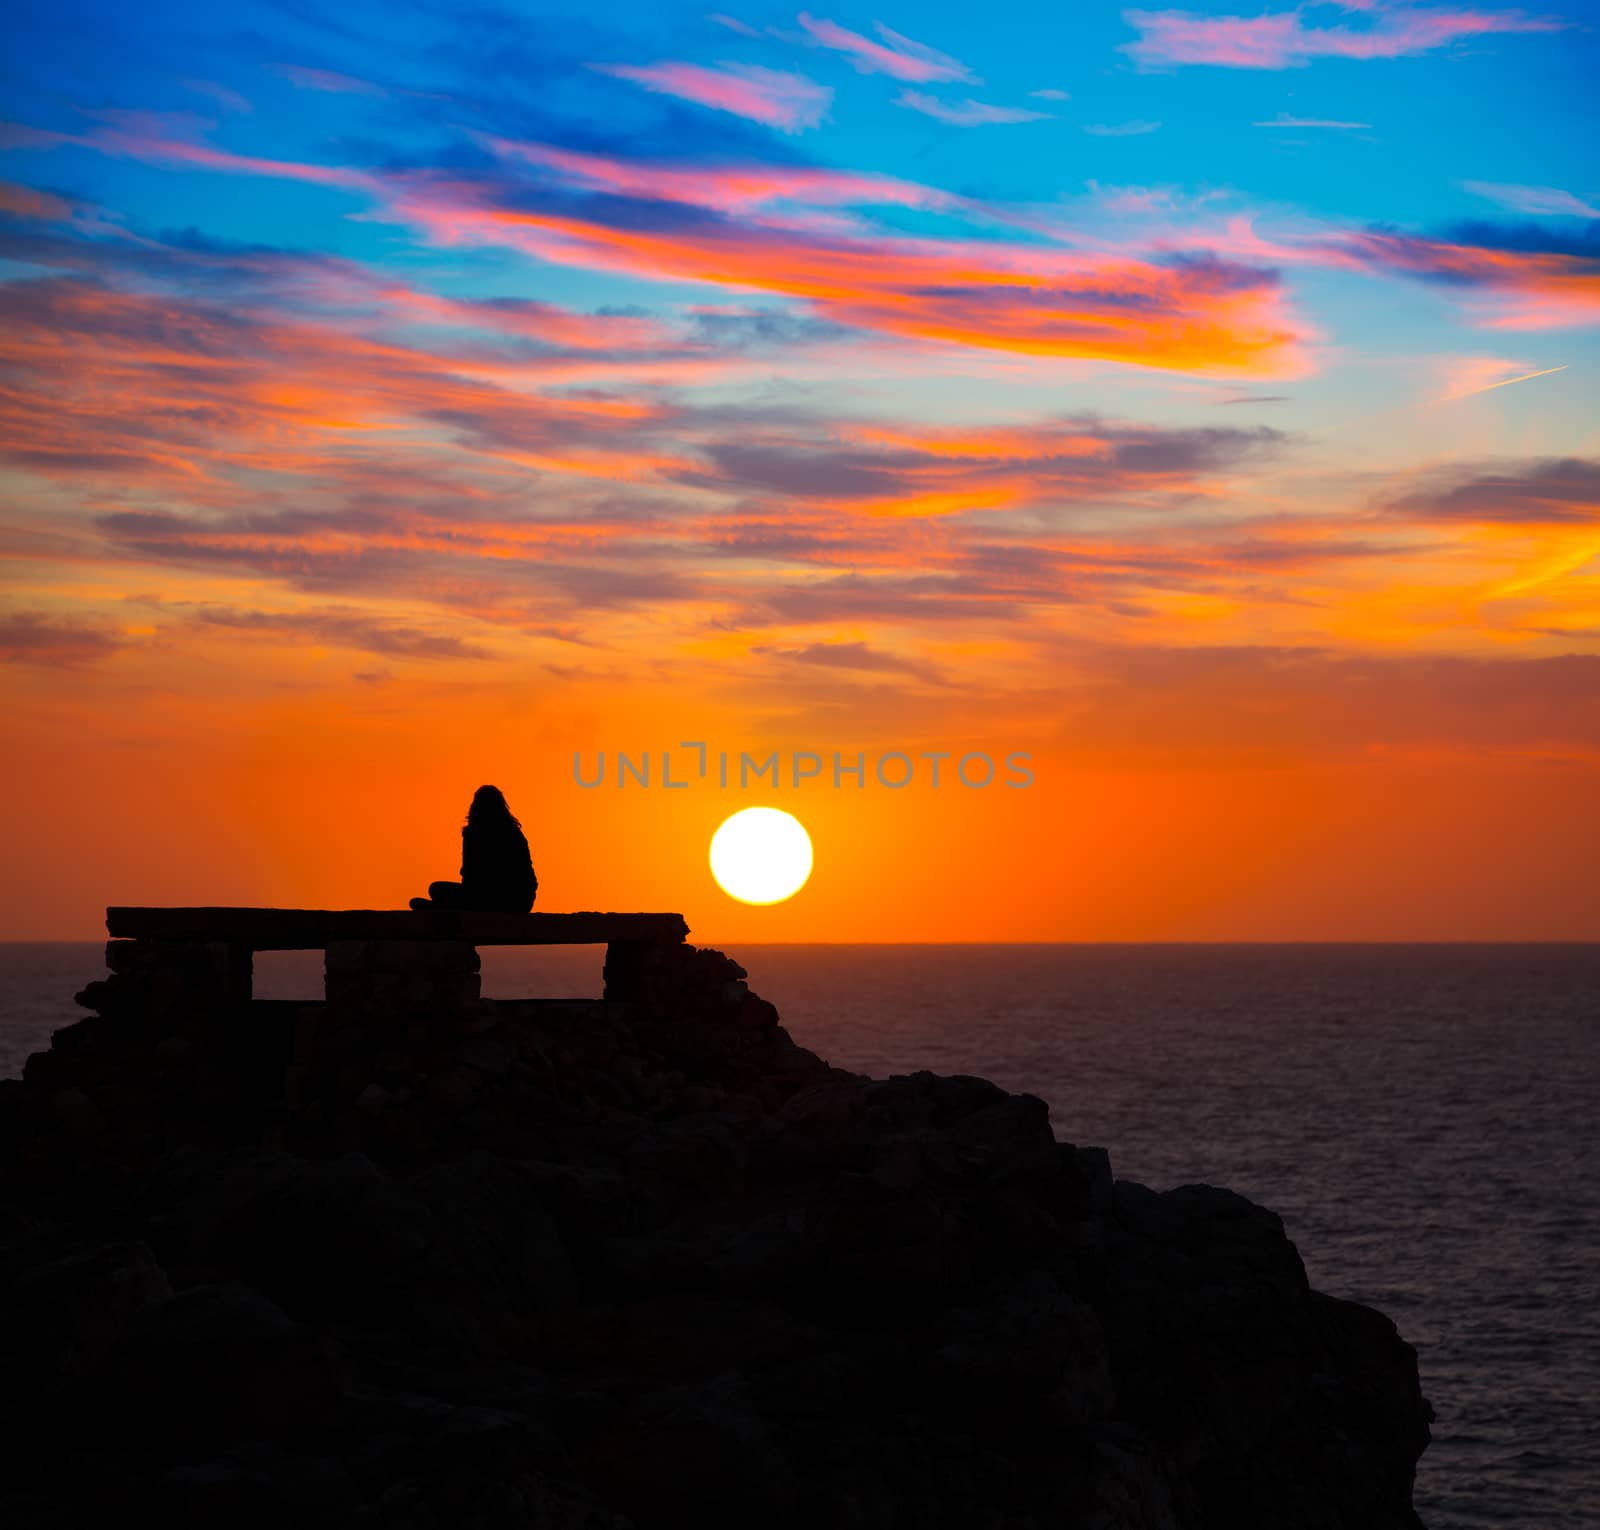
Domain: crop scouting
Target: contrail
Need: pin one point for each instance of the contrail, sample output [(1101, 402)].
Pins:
[(1504, 382), (1449, 398)]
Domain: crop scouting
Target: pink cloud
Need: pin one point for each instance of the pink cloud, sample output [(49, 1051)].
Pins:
[(151, 138), (1524, 278), (1121, 129), (724, 188), (897, 56), (1525, 288), (1284, 120), (968, 113), (773, 96), (1282, 40), (25, 202), (227, 99), (1536, 201), (330, 81)]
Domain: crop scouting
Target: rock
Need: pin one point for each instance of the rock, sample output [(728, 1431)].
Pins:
[(699, 1454), (411, 1258), (79, 1118), (215, 1364)]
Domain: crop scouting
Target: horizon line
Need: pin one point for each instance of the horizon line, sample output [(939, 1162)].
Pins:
[(1534, 940)]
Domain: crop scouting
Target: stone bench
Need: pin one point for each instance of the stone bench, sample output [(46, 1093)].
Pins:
[(313, 929), (200, 960)]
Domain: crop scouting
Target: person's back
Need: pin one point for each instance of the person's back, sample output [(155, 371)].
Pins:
[(496, 869)]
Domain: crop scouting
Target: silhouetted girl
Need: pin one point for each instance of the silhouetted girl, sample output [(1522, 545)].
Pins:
[(496, 869)]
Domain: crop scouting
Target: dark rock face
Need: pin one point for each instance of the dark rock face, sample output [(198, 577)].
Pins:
[(441, 1262)]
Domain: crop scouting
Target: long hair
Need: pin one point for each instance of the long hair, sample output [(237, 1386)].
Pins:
[(489, 806)]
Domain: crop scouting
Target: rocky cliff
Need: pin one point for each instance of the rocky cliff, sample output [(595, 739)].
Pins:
[(411, 1259)]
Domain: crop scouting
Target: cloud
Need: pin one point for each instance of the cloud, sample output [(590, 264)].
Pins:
[(1536, 201), (861, 657), (771, 96), (336, 627), (26, 202), (897, 56), (891, 597), (167, 139), (329, 81), (1121, 129), (35, 637), (1463, 376), (1535, 491), (492, 571), (1170, 311), (264, 390), (968, 113), (912, 473), (1051, 94), (1537, 277), (1283, 40), (227, 98), (735, 187), (1283, 120)]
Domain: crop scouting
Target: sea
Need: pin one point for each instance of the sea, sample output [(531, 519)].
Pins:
[(1424, 1118)]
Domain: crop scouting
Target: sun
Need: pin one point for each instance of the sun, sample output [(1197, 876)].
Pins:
[(761, 855)]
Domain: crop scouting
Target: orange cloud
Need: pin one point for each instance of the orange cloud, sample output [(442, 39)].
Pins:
[(1174, 313), (1201, 315)]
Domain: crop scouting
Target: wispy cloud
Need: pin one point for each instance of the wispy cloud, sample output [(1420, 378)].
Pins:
[(225, 96), (1121, 129), (1533, 278), (26, 202), (171, 139), (335, 626), (1200, 314), (912, 473), (1536, 201), (329, 80), (38, 637), (1051, 94), (858, 656), (1536, 490), (1283, 40), (775, 97), (968, 113), (739, 187), (1283, 120), (895, 55), (1467, 376)]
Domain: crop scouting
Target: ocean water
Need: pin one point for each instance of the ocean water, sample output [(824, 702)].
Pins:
[(1423, 1118)]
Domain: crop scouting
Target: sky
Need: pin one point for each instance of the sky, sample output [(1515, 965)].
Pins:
[(1199, 402)]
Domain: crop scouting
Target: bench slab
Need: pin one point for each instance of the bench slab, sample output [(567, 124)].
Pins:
[(302, 929)]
